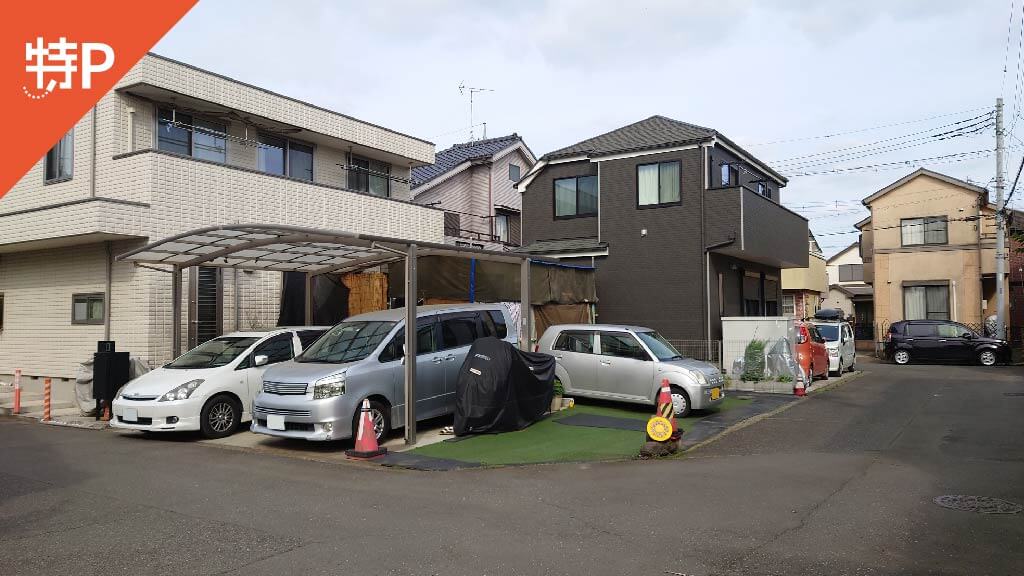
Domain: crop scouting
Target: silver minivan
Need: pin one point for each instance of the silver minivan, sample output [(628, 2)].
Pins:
[(628, 364), (317, 396)]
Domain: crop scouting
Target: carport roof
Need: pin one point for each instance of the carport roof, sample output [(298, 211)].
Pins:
[(286, 248)]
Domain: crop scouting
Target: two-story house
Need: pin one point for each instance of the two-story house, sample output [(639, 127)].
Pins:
[(929, 250), (804, 288), (474, 183), (172, 148), (847, 290), (682, 225)]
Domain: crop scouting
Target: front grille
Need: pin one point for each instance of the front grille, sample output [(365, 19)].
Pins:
[(281, 411), (139, 398), (284, 388), (290, 426), (141, 420)]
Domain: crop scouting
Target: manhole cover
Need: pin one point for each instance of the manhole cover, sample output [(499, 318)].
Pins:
[(979, 504), (1013, 393)]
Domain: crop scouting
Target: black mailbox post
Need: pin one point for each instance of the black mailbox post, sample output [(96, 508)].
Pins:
[(109, 373)]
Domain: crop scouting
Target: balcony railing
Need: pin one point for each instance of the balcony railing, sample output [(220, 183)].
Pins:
[(759, 229)]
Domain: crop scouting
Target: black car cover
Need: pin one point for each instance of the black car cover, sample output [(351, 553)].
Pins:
[(501, 388)]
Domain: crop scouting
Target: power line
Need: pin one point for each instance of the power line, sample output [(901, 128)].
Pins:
[(957, 157), (1006, 52), (964, 219), (858, 131)]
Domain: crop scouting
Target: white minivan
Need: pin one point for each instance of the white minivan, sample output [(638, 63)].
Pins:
[(842, 352), (211, 387)]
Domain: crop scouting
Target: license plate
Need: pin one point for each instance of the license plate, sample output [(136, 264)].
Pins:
[(130, 415), (275, 422), (716, 393)]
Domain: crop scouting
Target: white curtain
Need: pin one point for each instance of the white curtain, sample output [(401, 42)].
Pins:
[(670, 182), (913, 232), (915, 305), (565, 197), (647, 179)]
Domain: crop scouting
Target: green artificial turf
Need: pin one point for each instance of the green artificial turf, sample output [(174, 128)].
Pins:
[(547, 441)]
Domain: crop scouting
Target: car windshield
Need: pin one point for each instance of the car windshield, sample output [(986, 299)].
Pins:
[(213, 353), (346, 342), (830, 332), (659, 346)]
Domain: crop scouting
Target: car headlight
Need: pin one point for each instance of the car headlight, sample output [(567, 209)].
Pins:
[(701, 378), (833, 352), (329, 387), (182, 392)]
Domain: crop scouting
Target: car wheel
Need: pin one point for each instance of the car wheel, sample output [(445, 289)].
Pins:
[(987, 358), (220, 416), (841, 369), (680, 402), (853, 364), (380, 415), (901, 357)]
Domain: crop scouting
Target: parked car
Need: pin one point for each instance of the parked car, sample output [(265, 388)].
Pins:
[(838, 335), (811, 352), (942, 340), (209, 388), (318, 395), (628, 364)]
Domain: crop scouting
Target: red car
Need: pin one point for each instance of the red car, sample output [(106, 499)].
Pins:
[(811, 353)]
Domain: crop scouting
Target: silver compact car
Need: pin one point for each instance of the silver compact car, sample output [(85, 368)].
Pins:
[(628, 364), (317, 396)]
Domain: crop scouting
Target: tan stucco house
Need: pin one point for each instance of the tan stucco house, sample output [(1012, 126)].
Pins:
[(170, 149), (803, 289), (847, 290), (929, 250)]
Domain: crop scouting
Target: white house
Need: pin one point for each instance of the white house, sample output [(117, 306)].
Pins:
[(172, 148), (846, 287)]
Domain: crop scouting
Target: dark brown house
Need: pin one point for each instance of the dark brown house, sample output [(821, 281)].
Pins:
[(683, 225)]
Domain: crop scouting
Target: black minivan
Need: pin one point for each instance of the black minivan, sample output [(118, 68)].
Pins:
[(942, 341)]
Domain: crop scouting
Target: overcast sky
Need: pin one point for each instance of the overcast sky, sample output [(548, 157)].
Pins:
[(562, 71)]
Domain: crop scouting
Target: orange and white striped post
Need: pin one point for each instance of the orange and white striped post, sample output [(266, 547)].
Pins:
[(17, 391), (46, 400)]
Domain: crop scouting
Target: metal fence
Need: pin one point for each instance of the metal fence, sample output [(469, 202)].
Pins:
[(706, 350)]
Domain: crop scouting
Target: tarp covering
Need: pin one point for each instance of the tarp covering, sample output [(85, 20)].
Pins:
[(501, 388), (552, 314), (464, 280), (83, 382)]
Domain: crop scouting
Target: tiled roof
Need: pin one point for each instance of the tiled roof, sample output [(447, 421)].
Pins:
[(446, 160), (563, 246), (654, 132)]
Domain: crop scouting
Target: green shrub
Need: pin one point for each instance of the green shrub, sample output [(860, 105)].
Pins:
[(785, 378), (753, 361), (559, 389)]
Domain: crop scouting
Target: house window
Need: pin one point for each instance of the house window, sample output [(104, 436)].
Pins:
[(927, 230), (788, 306), (60, 162), (501, 227), (87, 308), (514, 172), (657, 183), (764, 190), (730, 175), (189, 136), (285, 157), (926, 302), (452, 223), (851, 272), (575, 196), (369, 176)]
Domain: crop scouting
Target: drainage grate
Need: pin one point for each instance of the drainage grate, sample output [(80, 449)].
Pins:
[(979, 504)]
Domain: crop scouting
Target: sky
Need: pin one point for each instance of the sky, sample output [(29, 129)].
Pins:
[(803, 85)]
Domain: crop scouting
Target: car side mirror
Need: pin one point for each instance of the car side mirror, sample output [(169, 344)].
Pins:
[(968, 336), (260, 360)]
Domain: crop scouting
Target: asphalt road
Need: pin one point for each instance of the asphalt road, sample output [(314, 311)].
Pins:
[(841, 483)]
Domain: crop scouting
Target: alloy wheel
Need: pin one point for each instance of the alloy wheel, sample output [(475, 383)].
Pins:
[(987, 358), (901, 357), (221, 416), (377, 417)]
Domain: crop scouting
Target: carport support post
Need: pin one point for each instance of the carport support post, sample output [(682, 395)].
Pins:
[(308, 314), (525, 309), (410, 345), (175, 312)]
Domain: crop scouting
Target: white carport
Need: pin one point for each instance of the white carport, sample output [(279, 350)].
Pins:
[(316, 251)]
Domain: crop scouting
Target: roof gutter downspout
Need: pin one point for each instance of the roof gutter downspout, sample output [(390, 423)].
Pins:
[(981, 280), (705, 286)]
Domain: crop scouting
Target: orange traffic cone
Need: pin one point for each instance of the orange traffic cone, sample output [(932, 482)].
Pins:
[(666, 409), (799, 387), (366, 440)]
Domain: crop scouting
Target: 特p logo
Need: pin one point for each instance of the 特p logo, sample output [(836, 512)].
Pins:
[(55, 64)]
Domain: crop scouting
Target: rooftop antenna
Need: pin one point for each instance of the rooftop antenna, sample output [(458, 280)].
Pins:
[(463, 90)]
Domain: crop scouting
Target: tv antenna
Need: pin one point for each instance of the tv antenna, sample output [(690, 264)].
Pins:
[(463, 90)]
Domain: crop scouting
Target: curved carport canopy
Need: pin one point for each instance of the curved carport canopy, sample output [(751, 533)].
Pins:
[(315, 251)]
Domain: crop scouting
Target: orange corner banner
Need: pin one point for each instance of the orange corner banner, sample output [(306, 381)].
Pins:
[(59, 58)]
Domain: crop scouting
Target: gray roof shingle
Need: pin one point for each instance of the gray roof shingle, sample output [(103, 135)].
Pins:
[(446, 160)]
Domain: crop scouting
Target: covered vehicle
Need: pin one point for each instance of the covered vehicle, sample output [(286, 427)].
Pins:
[(501, 388)]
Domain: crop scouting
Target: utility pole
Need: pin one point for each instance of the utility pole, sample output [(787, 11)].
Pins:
[(1000, 228)]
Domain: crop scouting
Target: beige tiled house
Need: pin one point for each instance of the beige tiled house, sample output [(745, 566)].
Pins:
[(172, 148), (929, 250)]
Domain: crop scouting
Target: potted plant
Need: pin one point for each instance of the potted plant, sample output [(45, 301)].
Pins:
[(556, 400)]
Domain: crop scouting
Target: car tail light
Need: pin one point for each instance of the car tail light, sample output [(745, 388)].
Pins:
[(888, 337), (801, 336)]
